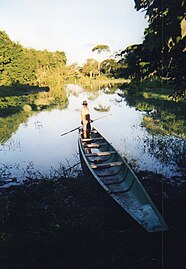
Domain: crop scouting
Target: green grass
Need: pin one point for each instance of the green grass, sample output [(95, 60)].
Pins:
[(168, 116)]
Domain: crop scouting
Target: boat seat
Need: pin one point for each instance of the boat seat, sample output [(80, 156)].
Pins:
[(117, 192), (97, 154), (123, 191), (95, 145), (113, 182), (94, 131), (105, 165), (91, 139)]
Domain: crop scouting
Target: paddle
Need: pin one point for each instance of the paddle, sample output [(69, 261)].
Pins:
[(81, 125)]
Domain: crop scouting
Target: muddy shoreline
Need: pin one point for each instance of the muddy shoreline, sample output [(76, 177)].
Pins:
[(73, 223)]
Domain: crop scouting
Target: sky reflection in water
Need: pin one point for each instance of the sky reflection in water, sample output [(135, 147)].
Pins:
[(37, 145)]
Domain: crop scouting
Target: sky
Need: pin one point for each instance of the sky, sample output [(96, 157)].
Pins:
[(73, 26)]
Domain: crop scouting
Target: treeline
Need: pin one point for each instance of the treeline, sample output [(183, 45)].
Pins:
[(27, 66), (109, 68), (23, 66), (162, 54)]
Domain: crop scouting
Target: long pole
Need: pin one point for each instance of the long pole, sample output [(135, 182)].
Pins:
[(81, 125)]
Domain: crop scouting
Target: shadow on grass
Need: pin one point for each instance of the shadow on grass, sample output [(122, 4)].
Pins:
[(18, 90)]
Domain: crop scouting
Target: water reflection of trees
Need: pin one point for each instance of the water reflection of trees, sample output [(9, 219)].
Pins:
[(163, 116), (17, 104), (167, 150), (110, 89), (11, 145), (102, 108), (9, 125), (6, 174), (105, 86)]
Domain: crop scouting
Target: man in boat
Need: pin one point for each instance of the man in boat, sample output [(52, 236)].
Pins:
[(86, 120)]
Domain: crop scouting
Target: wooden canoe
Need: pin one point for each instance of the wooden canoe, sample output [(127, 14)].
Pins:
[(118, 179)]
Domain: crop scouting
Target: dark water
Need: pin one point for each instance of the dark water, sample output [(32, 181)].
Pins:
[(36, 148)]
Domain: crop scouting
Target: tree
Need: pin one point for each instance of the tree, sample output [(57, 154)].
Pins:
[(19, 65), (112, 68), (72, 73), (90, 68), (99, 49), (165, 36), (10, 59)]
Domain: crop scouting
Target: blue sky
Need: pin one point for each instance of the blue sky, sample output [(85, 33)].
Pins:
[(73, 26)]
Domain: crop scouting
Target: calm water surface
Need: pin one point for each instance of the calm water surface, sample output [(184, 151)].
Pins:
[(38, 147)]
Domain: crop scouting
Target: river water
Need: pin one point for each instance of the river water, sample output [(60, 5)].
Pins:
[(37, 148)]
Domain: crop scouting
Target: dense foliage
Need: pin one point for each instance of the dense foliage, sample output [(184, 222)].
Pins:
[(30, 80), (163, 51), (160, 57), (23, 66), (20, 65)]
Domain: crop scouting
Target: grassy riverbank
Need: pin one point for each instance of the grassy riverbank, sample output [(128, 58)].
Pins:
[(73, 223), (164, 114)]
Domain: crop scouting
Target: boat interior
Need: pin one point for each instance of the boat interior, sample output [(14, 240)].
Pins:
[(107, 164), (118, 179)]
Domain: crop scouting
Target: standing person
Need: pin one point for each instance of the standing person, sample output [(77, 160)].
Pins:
[(86, 120)]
